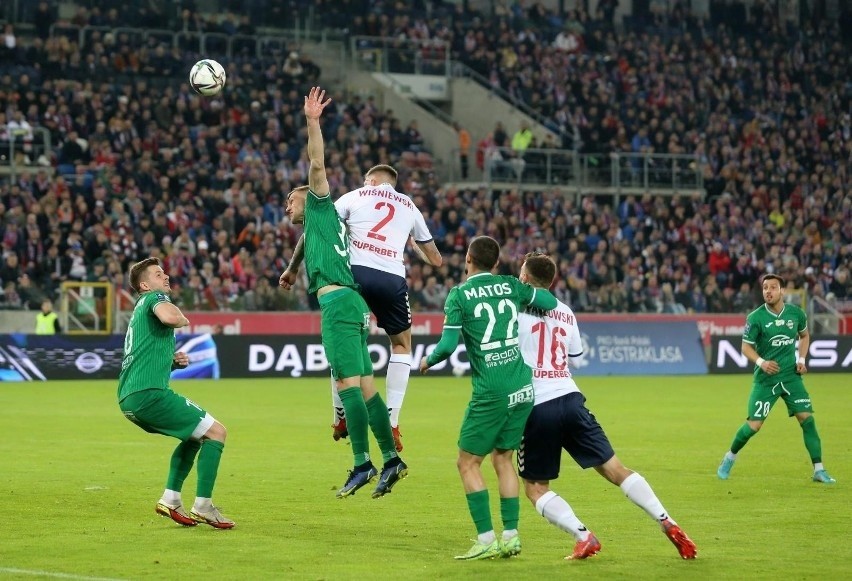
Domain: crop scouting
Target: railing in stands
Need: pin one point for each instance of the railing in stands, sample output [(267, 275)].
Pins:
[(23, 147), (381, 54)]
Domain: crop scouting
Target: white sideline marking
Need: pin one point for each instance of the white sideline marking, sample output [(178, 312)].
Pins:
[(34, 573)]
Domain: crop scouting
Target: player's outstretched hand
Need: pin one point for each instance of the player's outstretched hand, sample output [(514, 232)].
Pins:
[(287, 279), (180, 360), (314, 103), (424, 367)]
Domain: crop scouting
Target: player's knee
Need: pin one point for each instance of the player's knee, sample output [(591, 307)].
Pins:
[(755, 426), (217, 432), (535, 490)]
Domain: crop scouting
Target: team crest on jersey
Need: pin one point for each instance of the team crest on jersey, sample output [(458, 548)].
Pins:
[(162, 297), (789, 324)]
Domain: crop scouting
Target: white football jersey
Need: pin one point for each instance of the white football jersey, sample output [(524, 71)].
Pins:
[(380, 219), (546, 344)]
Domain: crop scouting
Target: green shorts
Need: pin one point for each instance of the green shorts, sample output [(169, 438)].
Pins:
[(764, 395), (162, 411), (345, 326), (496, 423)]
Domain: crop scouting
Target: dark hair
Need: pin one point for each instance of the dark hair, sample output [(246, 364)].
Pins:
[(383, 168), (780, 279), (484, 252), (137, 271), (540, 268)]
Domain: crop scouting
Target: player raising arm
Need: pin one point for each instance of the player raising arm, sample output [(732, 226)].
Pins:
[(560, 421), (484, 310), (769, 341), (345, 317), (146, 399), (380, 221)]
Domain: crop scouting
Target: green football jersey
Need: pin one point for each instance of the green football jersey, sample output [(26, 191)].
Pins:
[(149, 348), (326, 245), (774, 337), (485, 307)]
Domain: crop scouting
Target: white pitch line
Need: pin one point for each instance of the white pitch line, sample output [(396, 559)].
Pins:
[(36, 573)]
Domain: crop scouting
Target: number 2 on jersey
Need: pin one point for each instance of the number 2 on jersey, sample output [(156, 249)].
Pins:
[(511, 338), (374, 231), (558, 356)]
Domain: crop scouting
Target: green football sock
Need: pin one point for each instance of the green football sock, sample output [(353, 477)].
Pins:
[(812, 441), (478, 505), (356, 422), (510, 509), (381, 427), (742, 436), (208, 467), (182, 459)]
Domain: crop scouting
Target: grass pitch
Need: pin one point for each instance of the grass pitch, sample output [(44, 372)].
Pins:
[(79, 484)]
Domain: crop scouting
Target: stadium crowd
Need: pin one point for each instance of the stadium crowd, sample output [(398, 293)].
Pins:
[(144, 167)]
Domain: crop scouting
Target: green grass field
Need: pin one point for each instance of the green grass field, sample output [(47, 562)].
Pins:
[(79, 484)]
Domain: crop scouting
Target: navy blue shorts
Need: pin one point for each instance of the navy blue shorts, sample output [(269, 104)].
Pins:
[(387, 296), (561, 423)]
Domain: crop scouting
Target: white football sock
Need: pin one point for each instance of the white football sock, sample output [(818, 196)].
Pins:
[(558, 512), (399, 369), (203, 504), (640, 493), (335, 401), (486, 538), (818, 466), (509, 534), (171, 496), (730, 455)]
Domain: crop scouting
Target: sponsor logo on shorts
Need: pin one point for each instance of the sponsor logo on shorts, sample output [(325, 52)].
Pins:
[(804, 400), (523, 395)]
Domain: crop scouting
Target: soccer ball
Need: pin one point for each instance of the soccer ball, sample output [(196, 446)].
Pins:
[(207, 77), (458, 370)]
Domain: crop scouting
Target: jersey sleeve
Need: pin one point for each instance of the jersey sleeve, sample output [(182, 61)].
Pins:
[(751, 331), (575, 341), (315, 199), (153, 299), (452, 310), (803, 322), (421, 230)]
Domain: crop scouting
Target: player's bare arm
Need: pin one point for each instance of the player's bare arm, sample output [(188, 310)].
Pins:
[(804, 344), (315, 103), (289, 277), (429, 252), (170, 315), (770, 367)]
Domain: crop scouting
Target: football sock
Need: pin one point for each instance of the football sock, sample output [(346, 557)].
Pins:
[(181, 463), (812, 441), (508, 534), (203, 503), (399, 369), (742, 436), (730, 455), (380, 425), (817, 467), (510, 509), (171, 496), (208, 466), (357, 423), (336, 403), (637, 489), (480, 511), (558, 512), (486, 538)]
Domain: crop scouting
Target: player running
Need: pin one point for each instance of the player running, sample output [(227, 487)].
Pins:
[(380, 221), (560, 420), (769, 341)]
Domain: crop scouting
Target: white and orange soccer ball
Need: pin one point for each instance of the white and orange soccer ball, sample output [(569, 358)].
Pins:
[(207, 77)]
